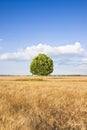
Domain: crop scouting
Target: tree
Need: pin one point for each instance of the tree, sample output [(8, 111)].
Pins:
[(41, 65)]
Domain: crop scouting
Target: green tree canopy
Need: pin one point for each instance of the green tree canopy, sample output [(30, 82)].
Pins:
[(41, 65)]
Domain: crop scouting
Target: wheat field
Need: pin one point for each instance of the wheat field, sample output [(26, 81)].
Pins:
[(51, 103)]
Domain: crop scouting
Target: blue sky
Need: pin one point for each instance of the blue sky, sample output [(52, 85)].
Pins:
[(57, 28)]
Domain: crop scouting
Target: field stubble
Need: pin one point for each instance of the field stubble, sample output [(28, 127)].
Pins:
[(54, 103)]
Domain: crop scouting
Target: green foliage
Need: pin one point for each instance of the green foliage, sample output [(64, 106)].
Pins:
[(41, 65)]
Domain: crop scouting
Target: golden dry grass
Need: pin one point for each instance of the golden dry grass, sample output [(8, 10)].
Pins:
[(56, 103)]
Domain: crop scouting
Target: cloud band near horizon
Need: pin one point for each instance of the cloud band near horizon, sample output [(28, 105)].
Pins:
[(29, 52)]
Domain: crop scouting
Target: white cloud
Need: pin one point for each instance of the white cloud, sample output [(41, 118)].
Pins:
[(84, 60), (71, 49), (83, 67), (34, 50)]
